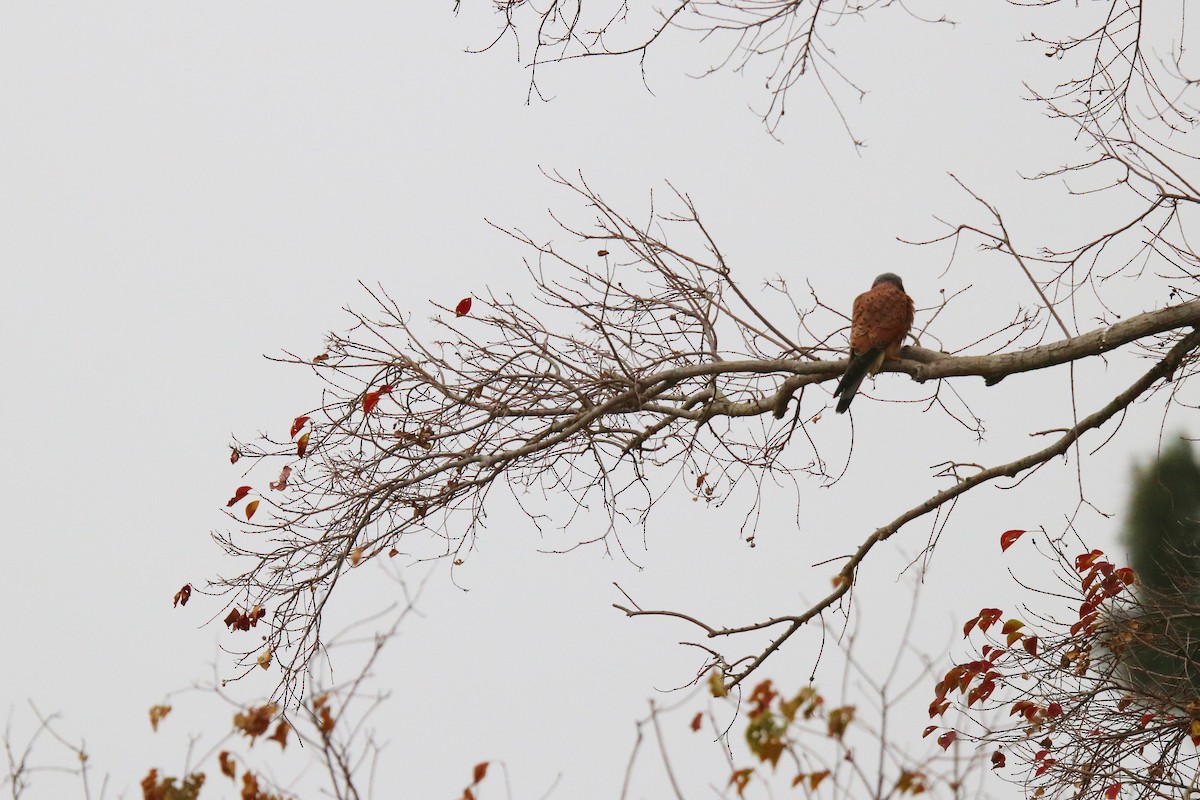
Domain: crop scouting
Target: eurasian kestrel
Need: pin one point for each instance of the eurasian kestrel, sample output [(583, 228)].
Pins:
[(882, 318)]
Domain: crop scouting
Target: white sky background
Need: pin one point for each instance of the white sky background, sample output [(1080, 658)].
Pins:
[(188, 186)]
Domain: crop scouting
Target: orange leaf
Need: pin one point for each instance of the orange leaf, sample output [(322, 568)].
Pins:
[(297, 424), (302, 445), (356, 556), (183, 595), (319, 358), (1008, 537), (281, 734), (284, 474), (740, 779), (251, 507), (480, 772), (227, 766), (241, 492), (463, 308), (157, 713), (234, 455)]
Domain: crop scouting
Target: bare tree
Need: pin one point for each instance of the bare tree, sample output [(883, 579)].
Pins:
[(638, 346), (783, 41)]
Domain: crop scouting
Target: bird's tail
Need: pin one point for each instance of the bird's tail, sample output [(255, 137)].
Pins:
[(860, 367)]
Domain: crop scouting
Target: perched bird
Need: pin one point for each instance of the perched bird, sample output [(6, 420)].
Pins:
[(882, 318)]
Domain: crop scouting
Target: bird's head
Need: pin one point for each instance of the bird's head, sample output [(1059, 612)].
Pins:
[(889, 277)]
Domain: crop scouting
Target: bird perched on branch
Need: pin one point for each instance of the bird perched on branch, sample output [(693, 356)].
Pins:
[(883, 316)]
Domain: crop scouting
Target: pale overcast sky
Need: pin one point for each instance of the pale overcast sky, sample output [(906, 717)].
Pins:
[(189, 186)]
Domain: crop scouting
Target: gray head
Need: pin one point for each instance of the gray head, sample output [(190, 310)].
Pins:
[(889, 277)]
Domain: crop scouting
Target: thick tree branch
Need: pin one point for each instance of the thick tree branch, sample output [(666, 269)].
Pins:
[(845, 578)]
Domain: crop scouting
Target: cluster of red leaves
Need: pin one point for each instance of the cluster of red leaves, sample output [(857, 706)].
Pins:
[(1099, 582), (238, 620)]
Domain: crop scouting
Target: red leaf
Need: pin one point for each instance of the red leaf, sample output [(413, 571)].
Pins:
[(1112, 791), (238, 494), (1086, 560), (946, 739), (234, 455), (1008, 537), (1145, 720), (696, 720), (251, 507), (284, 474), (297, 424), (302, 445), (1054, 710), (371, 399), (1030, 645), (463, 308), (929, 730), (998, 760), (183, 595)]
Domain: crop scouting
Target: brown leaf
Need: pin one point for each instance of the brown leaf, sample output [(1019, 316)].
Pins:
[(281, 734), (234, 455), (238, 494), (183, 595), (228, 767), (157, 714), (317, 359), (281, 484), (740, 779), (480, 772), (838, 720), (356, 556), (264, 658), (255, 721), (696, 720)]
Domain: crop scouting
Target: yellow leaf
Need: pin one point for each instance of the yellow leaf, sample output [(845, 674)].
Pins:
[(716, 683), (264, 658)]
